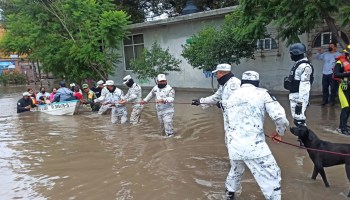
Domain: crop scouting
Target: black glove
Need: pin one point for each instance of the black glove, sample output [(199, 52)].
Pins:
[(196, 102), (218, 104), (298, 108)]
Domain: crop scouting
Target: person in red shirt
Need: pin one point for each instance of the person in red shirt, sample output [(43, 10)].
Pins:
[(76, 93)]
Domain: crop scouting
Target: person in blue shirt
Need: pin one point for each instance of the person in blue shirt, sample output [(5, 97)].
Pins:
[(327, 81)]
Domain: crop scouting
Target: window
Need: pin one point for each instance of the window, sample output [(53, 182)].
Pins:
[(266, 44), (325, 38), (133, 47)]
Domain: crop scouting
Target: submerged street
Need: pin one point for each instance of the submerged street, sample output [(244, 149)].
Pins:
[(86, 157)]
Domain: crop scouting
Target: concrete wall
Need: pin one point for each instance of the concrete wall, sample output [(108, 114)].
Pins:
[(273, 65)]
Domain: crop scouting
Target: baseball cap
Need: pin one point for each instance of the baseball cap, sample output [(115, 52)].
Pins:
[(161, 77), (222, 67), (126, 79), (100, 82), (85, 86), (250, 76), (109, 82), (26, 94), (72, 85)]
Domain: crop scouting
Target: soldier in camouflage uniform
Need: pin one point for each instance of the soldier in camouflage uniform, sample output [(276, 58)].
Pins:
[(246, 144), (164, 95), (134, 95), (110, 97), (228, 83)]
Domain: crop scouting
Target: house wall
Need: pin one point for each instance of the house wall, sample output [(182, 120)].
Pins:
[(273, 65)]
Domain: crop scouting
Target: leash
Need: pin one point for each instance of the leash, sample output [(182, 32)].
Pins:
[(307, 148)]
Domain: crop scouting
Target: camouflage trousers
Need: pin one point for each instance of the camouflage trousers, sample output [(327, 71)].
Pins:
[(265, 171), (104, 109), (119, 115), (135, 114), (166, 123)]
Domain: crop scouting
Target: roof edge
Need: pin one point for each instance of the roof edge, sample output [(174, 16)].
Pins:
[(190, 17)]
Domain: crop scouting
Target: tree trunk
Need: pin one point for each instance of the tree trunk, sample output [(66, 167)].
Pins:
[(39, 72), (331, 24), (34, 72)]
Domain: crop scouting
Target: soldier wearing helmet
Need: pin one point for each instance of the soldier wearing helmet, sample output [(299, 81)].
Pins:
[(110, 97), (227, 84), (299, 83), (245, 138), (134, 96), (342, 71)]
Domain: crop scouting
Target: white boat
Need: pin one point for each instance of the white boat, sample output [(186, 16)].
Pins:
[(60, 108)]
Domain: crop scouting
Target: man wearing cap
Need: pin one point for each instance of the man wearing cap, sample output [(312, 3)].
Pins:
[(299, 83), (89, 97), (245, 137), (98, 88), (164, 95), (228, 83), (63, 93), (110, 97), (134, 95), (25, 103)]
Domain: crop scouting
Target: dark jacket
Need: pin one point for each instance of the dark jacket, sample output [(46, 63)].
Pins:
[(97, 91), (22, 103)]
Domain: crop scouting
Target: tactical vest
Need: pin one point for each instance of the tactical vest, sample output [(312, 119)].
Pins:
[(293, 85), (345, 64)]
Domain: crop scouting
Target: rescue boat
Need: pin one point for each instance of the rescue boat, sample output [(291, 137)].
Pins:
[(60, 108)]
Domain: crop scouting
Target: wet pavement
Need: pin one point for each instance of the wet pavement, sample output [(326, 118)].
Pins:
[(86, 157)]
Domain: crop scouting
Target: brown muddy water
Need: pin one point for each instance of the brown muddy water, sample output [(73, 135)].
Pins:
[(86, 157)]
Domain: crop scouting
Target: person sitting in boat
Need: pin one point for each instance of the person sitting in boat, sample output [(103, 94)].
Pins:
[(32, 95), (52, 94), (63, 93), (88, 98), (43, 100), (72, 87), (77, 94), (42, 93), (25, 103)]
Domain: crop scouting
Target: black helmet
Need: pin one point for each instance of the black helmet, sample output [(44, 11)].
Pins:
[(297, 49)]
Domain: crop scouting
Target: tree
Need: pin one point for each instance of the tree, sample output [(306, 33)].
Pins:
[(153, 62), (211, 47), (75, 39), (291, 17)]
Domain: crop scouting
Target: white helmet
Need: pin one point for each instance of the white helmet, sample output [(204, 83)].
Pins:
[(109, 82), (126, 79)]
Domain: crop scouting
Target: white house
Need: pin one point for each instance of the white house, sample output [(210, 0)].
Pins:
[(272, 61)]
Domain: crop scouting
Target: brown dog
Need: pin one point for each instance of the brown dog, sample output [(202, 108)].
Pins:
[(321, 159)]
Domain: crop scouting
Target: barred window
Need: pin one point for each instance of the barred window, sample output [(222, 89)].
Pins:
[(325, 38), (266, 44), (133, 47)]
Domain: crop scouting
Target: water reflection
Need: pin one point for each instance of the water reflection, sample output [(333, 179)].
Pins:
[(87, 157)]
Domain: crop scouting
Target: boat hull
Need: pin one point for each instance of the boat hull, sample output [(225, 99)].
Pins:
[(60, 108)]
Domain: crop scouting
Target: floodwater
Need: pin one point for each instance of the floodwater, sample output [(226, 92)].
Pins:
[(86, 157)]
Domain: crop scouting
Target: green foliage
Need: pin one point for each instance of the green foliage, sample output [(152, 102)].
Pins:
[(12, 78), (153, 62), (211, 47), (291, 17), (75, 39)]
